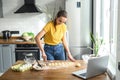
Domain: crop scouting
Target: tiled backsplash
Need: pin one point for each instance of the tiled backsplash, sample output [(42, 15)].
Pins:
[(24, 23), (27, 21)]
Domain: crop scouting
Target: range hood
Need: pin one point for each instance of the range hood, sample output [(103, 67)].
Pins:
[(28, 7)]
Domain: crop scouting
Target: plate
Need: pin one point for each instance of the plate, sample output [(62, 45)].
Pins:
[(36, 67)]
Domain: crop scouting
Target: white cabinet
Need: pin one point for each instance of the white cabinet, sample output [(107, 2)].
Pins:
[(1, 63), (7, 56)]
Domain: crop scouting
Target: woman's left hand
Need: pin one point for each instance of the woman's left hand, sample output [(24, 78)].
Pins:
[(70, 57)]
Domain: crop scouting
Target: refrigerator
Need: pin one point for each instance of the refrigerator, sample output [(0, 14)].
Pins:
[(79, 26)]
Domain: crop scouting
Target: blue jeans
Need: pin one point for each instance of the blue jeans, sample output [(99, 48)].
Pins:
[(54, 52)]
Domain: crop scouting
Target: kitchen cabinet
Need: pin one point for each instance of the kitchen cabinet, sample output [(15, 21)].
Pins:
[(7, 56), (1, 11), (1, 67)]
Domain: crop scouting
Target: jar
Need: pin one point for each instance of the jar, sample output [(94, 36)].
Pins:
[(29, 58)]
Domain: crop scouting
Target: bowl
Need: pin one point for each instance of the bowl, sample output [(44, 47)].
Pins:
[(27, 38)]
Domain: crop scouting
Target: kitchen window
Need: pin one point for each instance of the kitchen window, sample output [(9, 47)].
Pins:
[(105, 27)]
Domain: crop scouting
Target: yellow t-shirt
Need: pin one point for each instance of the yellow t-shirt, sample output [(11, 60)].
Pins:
[(54, 36)]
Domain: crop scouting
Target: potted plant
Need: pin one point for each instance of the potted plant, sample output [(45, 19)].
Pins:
[(97, 43)]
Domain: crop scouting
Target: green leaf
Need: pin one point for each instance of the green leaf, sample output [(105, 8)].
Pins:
[(92, 38), (96, 43)]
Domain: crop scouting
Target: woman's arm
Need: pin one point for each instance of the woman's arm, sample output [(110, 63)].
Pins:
[(39, 43), (64, 41)]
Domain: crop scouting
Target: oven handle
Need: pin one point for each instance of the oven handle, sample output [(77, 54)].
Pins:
[(26, 50)]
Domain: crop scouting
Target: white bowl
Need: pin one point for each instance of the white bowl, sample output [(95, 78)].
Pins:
[(27, 38)]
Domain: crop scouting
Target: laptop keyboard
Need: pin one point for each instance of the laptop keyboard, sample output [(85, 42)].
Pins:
[(83, 74)]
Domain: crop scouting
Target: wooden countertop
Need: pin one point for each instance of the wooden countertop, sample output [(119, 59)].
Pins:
[(53, 74), (15, 40)]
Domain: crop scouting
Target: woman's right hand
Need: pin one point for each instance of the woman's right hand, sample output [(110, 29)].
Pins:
[(44, 57)]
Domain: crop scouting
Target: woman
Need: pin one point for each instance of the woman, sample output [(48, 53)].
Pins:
[(54, 34)]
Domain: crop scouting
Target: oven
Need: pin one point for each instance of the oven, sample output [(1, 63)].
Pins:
[(22, 49)]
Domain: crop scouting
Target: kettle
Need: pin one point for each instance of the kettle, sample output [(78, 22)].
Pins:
[(6, 34)]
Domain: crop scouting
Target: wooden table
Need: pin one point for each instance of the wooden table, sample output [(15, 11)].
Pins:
[(51, 74)]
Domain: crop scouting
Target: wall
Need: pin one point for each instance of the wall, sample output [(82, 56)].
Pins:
[(27, 21), (31, 22), (1, 14)]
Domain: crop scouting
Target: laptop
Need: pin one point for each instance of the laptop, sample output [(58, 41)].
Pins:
[(95, 66)]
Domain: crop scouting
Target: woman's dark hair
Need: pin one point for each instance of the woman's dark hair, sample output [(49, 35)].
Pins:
[(61, 13)]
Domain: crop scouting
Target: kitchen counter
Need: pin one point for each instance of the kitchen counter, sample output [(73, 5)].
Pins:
[(50, 74), (15, 40)]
